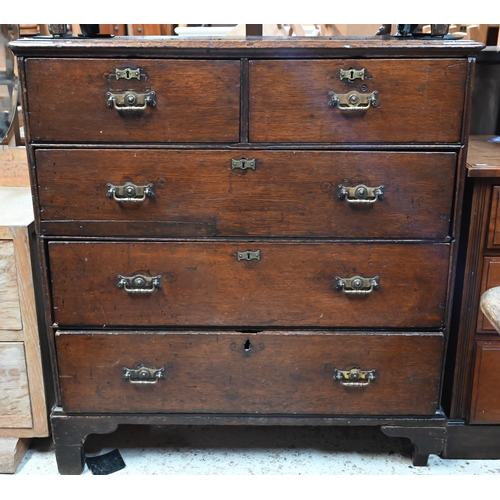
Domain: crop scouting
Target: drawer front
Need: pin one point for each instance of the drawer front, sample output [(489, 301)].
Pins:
[(485, 402), (250, 373), (194, 101), (15, 407), (10, 310), (418, 101), (490, 279), (249, 284), (276, 193), (494, 225)]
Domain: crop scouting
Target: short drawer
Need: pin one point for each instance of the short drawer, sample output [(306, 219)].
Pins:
[(231, 372), (249, 283), (494, 223), (241, 192), (485, 402), (133, 100), (357, 101), (490, 279)]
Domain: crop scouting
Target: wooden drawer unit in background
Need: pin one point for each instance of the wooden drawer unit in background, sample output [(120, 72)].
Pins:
[(23, 412), (474, 402), (243, 232)]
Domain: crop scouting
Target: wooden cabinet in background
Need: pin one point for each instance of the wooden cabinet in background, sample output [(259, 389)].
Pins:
[(23, 413), (473, 430)]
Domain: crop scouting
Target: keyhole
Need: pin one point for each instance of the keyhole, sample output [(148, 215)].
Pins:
[(247, 345)]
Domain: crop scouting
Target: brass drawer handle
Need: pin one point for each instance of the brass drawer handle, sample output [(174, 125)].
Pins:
[(130, 192), (131, 101), (361, 193), (249, 255), (353, 101), (143, 375), (354, 377), (243, 164), (357, 285), (139, 283)]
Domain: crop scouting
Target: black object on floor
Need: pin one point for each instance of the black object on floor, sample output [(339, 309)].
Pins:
[(105, 464)]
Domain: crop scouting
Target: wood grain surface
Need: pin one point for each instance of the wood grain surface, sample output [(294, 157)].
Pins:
[(293, 283), (197, 101), (290, 193), (262, 373), (420, 101), (10, 310), (485, 399), (15, 410)]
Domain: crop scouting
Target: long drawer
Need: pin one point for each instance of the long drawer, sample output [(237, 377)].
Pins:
[(257, 193), (357, 101), (143, 100), (238, 283), (299, 373)]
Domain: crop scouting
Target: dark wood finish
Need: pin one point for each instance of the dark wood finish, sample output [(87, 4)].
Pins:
[(152, 229), (293, 284), (485, 400), (69, 436), (72, 430), (494, 226), (220, 47), (236, 373), (490, 278), (290, 193), (197, 101), (466, 307), (253, 29), (209, 88), (425, 441), (471, 442), (474, 402), (286, 107)]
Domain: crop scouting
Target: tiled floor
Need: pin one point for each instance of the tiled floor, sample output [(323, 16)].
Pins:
[(199, 450)]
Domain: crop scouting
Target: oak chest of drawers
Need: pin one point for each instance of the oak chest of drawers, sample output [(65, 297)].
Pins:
[(247, 231)]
